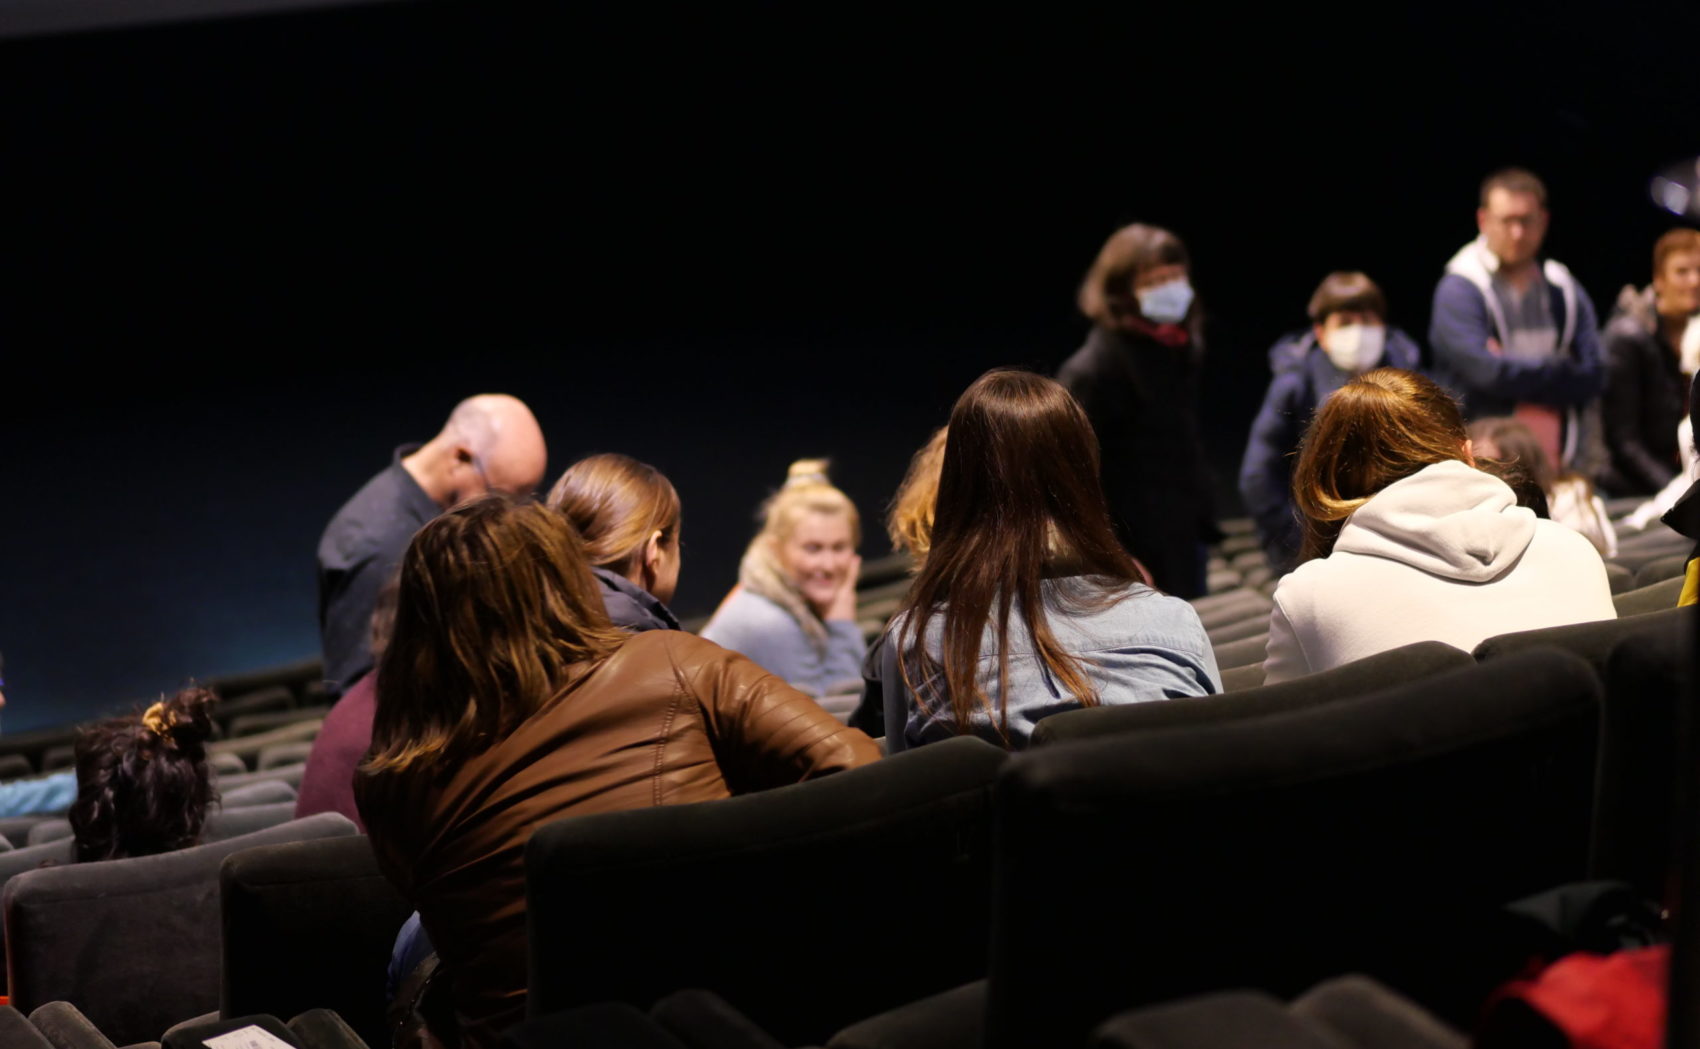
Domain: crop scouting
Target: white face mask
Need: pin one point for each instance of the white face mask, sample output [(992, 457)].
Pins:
[(1166, 303), (1356, 347)]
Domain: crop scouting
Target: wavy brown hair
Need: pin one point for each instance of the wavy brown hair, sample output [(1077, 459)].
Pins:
[(1381, 427), (910, 522), (496, 611), (616, 503), (1019, 501), (143, 786)]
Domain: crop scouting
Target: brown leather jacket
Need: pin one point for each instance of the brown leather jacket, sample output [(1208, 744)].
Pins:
[(669, 718)]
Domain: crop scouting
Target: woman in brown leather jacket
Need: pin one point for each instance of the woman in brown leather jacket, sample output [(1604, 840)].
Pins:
[(506, 700)]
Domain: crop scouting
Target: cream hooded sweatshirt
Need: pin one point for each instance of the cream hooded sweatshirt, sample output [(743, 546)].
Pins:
[(1443, 555)]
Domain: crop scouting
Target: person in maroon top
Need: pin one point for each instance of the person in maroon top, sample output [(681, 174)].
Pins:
[(327, 783)]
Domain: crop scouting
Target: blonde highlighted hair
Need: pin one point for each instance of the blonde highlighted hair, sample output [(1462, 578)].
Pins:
[(1381, 427)]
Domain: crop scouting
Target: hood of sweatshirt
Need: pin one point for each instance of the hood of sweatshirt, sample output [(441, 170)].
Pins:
[(1448, 519)]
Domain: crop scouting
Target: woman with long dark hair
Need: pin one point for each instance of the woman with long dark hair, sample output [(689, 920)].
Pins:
[(1137, 378), (507, 699), (1027, 604), (1405, 540)]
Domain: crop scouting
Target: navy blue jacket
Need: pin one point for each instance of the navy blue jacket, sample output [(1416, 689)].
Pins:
[(1303, 377)]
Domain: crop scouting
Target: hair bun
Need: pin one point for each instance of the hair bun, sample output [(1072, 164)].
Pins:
[(183, 720), (807, 471)]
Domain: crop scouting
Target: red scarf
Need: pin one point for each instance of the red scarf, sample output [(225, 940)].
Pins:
[(1171, 335)]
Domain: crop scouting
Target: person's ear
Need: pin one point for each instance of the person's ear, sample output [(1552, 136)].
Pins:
[(652, 555), (1317, 330), (1469, 451)]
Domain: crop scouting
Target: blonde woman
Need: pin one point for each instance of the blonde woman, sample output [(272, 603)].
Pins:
[(794, 608)]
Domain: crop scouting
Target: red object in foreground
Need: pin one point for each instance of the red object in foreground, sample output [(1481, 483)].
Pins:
[(1610, 1001)]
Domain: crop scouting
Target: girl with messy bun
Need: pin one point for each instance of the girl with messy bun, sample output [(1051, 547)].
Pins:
[(143, 786), (794, 608)]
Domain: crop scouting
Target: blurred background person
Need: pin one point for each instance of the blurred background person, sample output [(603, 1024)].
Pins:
[(1652, 351), (794, 608), (1137, 379), (1348, 335), (1569, 497)]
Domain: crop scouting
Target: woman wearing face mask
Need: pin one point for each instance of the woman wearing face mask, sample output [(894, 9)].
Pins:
[(794, 608), (1348, 336), (1137, 378)]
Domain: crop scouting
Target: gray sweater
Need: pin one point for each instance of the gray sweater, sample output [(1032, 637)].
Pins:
[(768, 634)]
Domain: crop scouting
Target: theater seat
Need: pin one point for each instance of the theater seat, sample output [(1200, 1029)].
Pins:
[(1649, 676), (226, 822), (1654, 597), (1593, 642), (133, 943), (1363, 676), (309, 924), (1364, 834), (1351, 1012), (806, 907)]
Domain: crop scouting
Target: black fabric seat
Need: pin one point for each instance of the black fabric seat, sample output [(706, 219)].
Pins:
[(1654, 597), (1593, 642), (1648, 678), (1351, 1012), (1370, 674), (807, 907), (1268, 853), (1619, 578), (309, 924), (1659, 569), (133, 943), (1246, 651)]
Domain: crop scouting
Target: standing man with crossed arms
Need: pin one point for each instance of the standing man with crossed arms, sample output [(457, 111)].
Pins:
[(1515, 334)]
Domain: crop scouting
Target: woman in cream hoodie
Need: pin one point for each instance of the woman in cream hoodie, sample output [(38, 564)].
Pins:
[(1406, 541)]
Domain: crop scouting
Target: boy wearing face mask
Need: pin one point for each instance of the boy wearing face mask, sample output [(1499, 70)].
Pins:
[(1348, 336)]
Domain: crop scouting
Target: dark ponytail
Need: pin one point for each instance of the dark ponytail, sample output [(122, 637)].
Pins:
[(143, 786)]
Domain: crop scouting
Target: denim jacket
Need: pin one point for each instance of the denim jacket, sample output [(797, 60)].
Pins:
[(1143, 646)]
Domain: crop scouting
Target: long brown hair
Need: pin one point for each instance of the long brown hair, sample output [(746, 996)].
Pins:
[(496, 610), (1381, 427), (1019, 501), (617, 503)]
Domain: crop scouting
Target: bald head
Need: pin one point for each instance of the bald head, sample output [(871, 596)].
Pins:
[(498, 437)]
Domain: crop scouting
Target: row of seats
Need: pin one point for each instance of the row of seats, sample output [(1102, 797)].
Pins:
[(955, 895)]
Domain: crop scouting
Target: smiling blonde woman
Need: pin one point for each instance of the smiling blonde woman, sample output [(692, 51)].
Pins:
[(794, 608)]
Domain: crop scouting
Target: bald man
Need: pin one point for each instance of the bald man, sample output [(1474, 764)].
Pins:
[(490, 443)]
